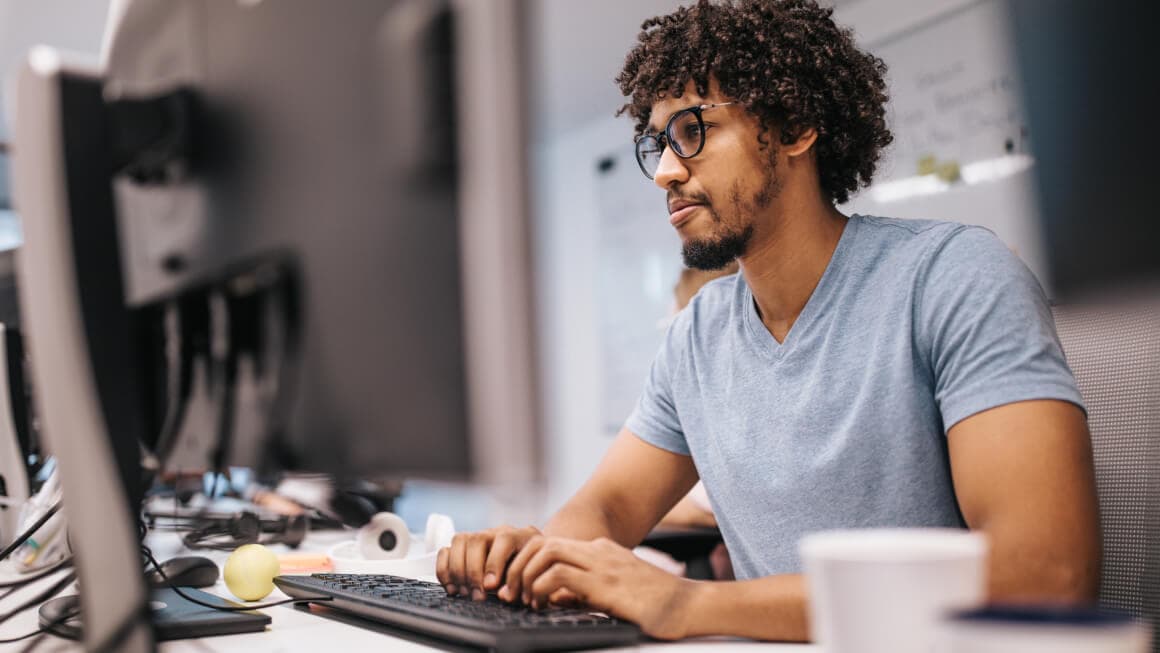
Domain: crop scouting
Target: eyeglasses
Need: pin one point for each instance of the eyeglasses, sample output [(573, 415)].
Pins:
[(685, 133)]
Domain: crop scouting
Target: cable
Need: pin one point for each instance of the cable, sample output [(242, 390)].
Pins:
[(38, 574), (23, 537), (222, 373), (226, 608), (46, 629), (39, 631), (40, 598), (178, 358)]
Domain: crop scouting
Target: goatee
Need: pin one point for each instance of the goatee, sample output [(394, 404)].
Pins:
[(716, 253)]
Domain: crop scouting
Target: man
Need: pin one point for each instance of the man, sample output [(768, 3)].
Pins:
[(858, 372)]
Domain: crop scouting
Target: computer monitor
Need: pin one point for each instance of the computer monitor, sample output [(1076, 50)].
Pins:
[(1087, 77), (287, 233)]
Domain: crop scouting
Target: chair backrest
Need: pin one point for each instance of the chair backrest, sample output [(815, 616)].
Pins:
[(1114, 353)]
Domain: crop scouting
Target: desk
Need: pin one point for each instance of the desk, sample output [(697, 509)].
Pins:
[(298, 629)]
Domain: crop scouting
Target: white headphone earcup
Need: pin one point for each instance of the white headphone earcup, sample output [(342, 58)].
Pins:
[(384, 537), (440, 530)]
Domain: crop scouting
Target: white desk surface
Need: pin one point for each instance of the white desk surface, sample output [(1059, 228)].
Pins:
[(294, 629)]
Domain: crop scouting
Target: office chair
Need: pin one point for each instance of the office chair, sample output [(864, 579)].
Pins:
[(1114, 353), (690, 545)]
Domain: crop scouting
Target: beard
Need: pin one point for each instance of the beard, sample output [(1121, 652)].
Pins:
[(730, 239), (717, 252)]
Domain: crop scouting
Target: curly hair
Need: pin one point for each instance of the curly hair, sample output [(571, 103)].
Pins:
[(786, 62)]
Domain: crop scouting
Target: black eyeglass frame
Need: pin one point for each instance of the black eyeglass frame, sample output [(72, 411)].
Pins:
[(696, 110)]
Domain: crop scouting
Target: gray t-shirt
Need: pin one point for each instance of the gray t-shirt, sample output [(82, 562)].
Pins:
[(913, 327)]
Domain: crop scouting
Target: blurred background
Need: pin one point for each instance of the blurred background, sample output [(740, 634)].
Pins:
[(606, 259)]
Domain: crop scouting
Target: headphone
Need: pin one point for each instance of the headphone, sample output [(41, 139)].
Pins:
[(227, 534)]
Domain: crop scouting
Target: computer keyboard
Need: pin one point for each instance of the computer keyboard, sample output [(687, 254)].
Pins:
[(426, 608)]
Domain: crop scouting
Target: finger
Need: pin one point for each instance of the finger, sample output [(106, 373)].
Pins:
[(573, 552), (512, 589), (502, 550), (560, 578), (456, 563), (441, 569), (565, 597), (474, 557)]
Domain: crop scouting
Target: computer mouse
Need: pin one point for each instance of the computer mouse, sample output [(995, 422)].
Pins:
[(185, 571)]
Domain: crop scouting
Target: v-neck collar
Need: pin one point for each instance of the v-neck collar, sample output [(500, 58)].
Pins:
[(762, 339)]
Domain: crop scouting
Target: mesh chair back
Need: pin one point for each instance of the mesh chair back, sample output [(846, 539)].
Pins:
[(1115, 355)]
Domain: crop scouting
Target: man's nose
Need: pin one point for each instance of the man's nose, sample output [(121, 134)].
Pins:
[(670, 170)]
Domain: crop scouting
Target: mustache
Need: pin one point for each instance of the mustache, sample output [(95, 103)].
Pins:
[(699, 198)]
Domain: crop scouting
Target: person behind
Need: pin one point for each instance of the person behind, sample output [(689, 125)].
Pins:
[(859, 371)]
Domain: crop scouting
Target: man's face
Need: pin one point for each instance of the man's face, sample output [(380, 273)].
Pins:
[(717, 197)]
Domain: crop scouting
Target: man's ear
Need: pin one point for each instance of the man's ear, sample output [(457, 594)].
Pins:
[(803, 143)]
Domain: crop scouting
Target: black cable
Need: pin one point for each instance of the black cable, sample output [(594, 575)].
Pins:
[(223, 373), (178, 358), (23, 537), (40, 598), (225, 608), (46, 629), (284, 315), (38, 631), (37, 575)]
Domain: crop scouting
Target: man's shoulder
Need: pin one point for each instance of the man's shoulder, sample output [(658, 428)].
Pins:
[(908, 230), (928, 242)]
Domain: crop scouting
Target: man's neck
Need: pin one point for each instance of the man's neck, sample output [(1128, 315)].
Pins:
[(784, 264)]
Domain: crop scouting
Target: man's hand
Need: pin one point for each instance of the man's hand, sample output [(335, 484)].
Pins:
[(474, 563), (604, 576)]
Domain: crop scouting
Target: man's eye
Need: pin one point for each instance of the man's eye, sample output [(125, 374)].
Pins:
[(692, 130)]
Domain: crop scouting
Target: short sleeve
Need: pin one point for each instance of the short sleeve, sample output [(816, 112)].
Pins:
[(986, 328), (655, 419)]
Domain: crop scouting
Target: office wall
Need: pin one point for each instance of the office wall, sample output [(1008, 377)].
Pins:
[(75, 25), (576, 221)]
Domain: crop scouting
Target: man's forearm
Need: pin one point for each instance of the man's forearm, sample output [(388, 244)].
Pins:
[(772, 608), (1026, 565), (583, 519)]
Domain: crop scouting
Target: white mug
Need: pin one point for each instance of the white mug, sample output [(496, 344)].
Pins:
[(886, 590)]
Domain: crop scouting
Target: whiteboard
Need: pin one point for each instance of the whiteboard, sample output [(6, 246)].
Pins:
[(639, 265), (954, 92)]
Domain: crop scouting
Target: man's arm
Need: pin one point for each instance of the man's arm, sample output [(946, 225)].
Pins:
[(1023, 475), (605, 576), (634, 485)]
